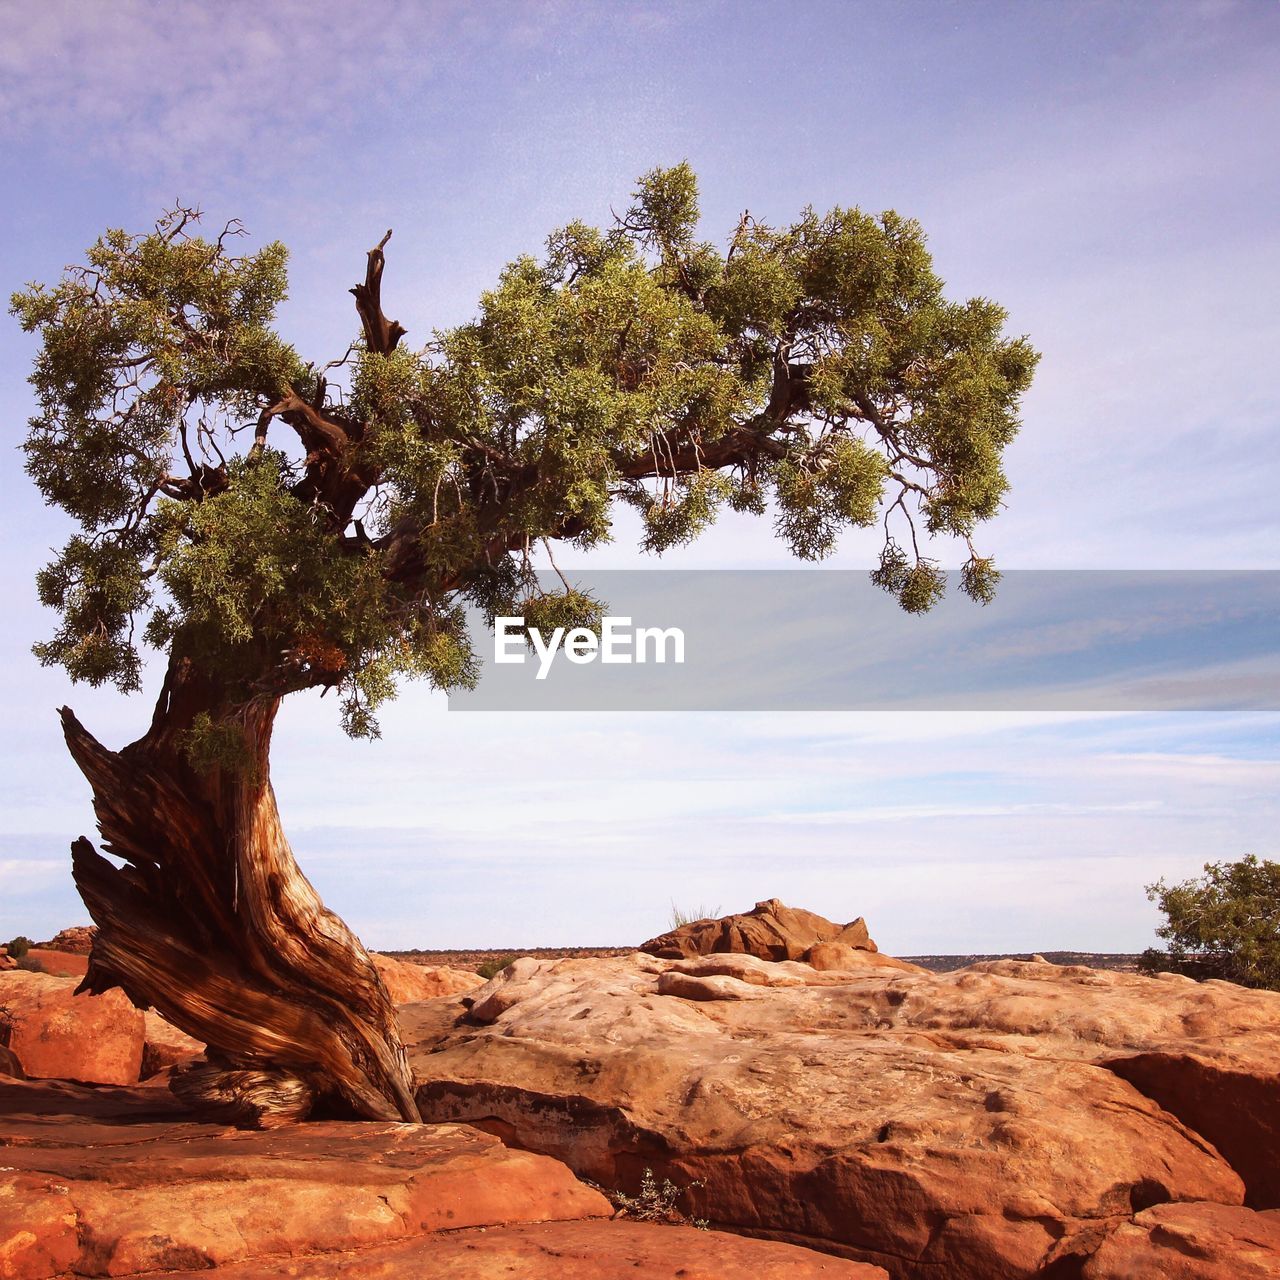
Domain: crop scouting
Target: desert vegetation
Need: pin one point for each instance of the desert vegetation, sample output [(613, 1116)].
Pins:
[(1223, 924)]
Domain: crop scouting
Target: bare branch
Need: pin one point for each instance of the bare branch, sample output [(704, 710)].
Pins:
[(380, 334)]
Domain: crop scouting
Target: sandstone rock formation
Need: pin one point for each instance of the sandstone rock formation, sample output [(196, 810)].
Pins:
[(1190, 1242), (840, 955), (55, 1034), (977, 1125), (118, 1182), (1013, 1119), (85, 1194), (592, 1250), (407, 983), (770, 930), (78, 940)]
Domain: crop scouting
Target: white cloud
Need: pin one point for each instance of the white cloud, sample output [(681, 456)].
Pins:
[(162, 84)]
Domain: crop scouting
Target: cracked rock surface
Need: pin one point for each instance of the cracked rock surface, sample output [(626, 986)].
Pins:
[(997, 1122), (118, 1182)]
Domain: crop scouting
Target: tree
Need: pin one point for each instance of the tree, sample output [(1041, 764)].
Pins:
[(1226, 924), (276, 526)]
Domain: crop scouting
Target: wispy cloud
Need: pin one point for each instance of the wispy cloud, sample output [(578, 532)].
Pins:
[(160, 84)]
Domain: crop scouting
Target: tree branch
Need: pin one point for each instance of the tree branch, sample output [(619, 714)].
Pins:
[(380, 334)]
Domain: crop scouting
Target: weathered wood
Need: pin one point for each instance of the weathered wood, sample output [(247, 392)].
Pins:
[(211, 922)]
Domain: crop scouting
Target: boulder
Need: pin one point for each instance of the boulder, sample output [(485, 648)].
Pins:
[(592, 1250), (770, 930), (840, 955), (165, 1046), (119, 1184), (971, 1124), (407, 983), (55, 1034), (1190, 1242)]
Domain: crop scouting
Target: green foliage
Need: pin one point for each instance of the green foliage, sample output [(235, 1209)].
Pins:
[(1226, 924), (683, 512), (491, 968), (98, 587), (19, 946), (566, 609), (218, 745), (918, 583), (979, 579), (665, 213), (287, 526), (837, 484)]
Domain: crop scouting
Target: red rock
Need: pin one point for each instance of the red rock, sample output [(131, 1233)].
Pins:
[(115, 1189), (1190, 1242), (78, 940), (165, 1046), (57, 1035), (770, 931), (565, 1251), (956, 1125), (62, 964), (39, 1240), (840, 955), (407, 983), (1231, 1098)]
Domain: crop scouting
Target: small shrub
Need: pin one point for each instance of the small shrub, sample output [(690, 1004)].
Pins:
[(490, 968), (19, 947), (681, 917), (31, 964), (656, 1202)]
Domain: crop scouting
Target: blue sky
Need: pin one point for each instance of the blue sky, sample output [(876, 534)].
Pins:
[(1107, 171)]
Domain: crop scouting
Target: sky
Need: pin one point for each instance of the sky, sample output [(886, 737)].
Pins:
[(1107, 171)]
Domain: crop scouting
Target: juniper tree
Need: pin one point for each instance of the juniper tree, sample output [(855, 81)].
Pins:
[(1224, 924), (276, 525)]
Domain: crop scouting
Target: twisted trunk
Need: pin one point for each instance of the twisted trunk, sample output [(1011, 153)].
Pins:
[(211, 922)]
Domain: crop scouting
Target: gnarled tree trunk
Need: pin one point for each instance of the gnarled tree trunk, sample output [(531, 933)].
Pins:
[(211, 922)]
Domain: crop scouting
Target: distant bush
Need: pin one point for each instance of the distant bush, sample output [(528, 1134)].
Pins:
[(491, 968), (19, 947), (681, 917), (31, 964), (1226, 924)]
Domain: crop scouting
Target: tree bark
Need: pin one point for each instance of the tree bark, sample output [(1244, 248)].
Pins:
[(211, 922)]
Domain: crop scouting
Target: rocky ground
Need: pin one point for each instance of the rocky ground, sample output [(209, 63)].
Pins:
[(829, 1111)]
